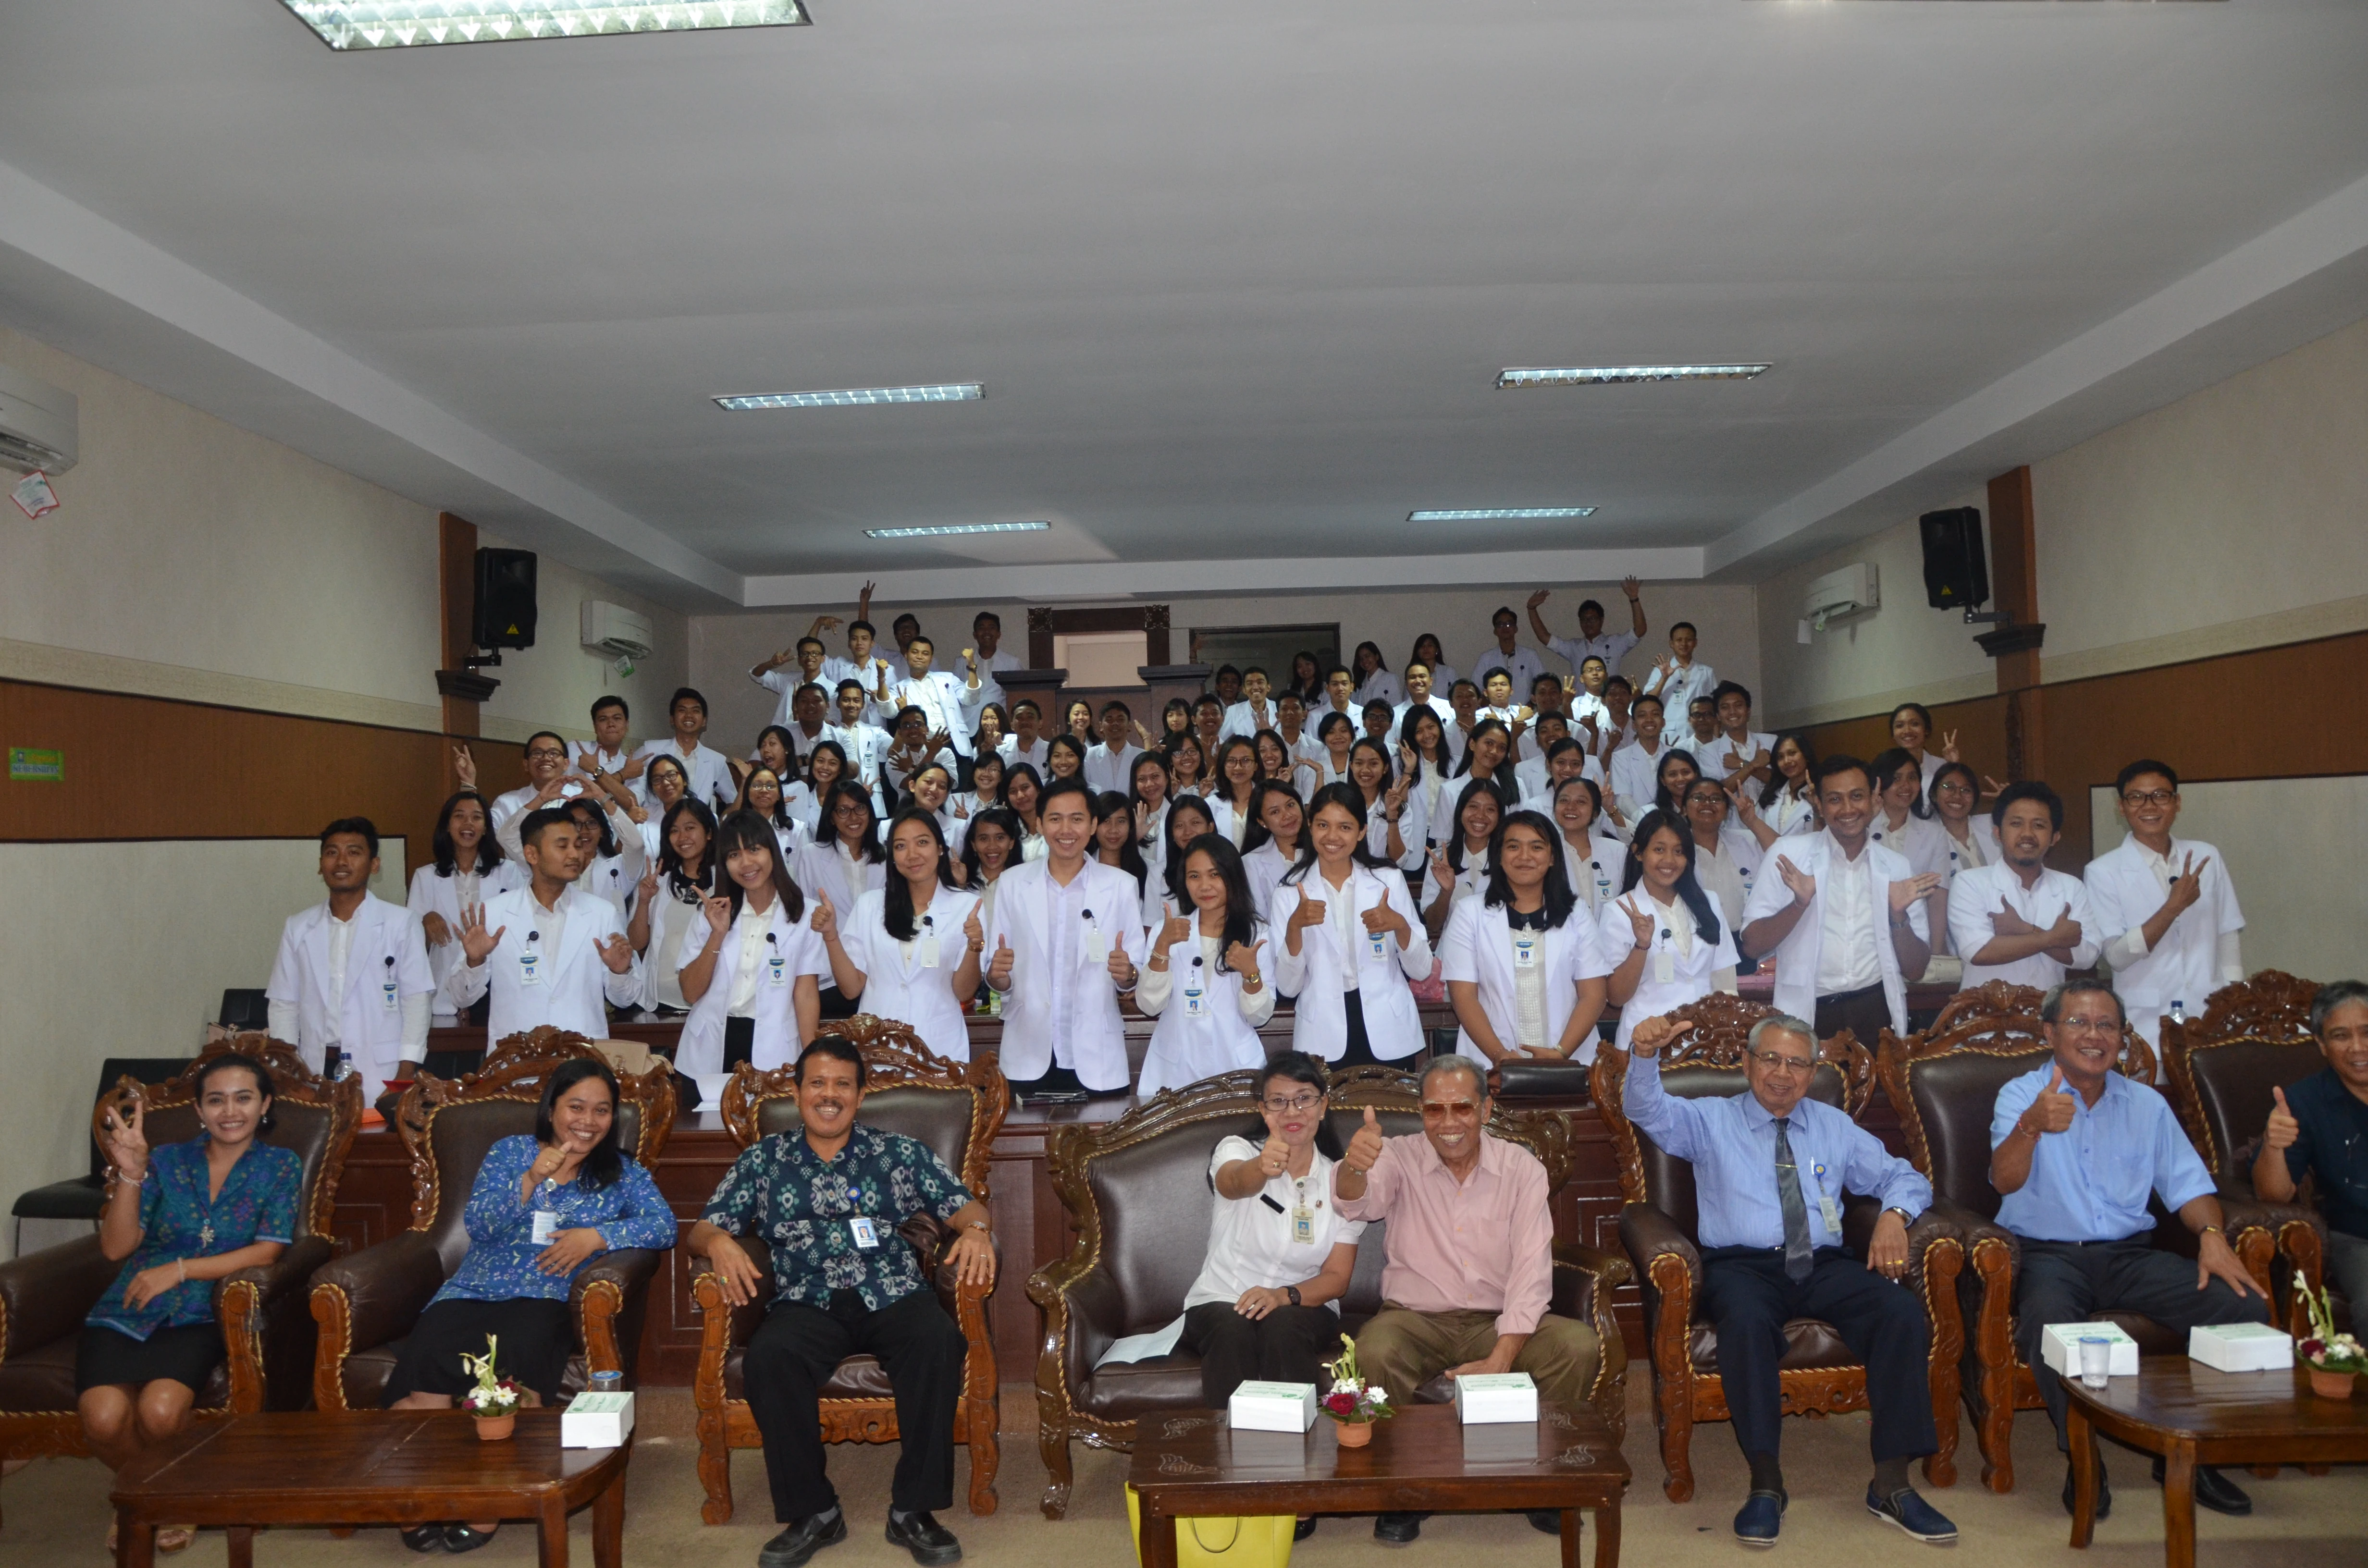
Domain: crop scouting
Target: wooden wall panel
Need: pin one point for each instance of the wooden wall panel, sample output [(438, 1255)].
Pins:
[(147, 768)]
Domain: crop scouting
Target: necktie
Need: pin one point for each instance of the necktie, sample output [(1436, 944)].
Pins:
[(1797, 1262)]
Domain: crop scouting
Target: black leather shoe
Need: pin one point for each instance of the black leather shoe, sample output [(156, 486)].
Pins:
[(424, 1538), (801, 1540), (2104, 1491), (930, 1541), (1396, 1530), (1303, 1528), (1545, 1521), (2213, 1491), (458, 1538)]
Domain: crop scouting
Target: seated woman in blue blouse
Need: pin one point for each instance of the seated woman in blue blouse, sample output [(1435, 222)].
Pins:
[(181, 1217), (542, 1208)]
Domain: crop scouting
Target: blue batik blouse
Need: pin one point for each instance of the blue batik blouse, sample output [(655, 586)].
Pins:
[(627, 1212), (807, 1210), (178, 1219)]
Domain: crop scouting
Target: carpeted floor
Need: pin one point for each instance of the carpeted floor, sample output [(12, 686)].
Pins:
[(56, 1512)]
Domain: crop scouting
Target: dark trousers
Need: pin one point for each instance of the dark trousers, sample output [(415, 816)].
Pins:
[(1286, 1346), (2068, 1282), (1359, 1050), (1747, 1297), (1866, 1013), (793, 1353)]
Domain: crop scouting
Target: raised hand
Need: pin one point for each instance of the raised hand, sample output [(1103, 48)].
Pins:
[(1653, 1033), (2188, 886), (1440, 871), (1143, 734), (1172, 930), (1244, 961), (2282, 1129), (822, 623), (126, 1139), (824, 919), (1909, 890), (1639, 921), (1746, 807), (962, 809), (1274, 1156), (2051, 1111), (475, 941), (1120, 966), (1381, 917), (433, 926), (998, 969), (464, 768), (649, 888), (616, 952), (1949, 747), (1800, 883), (1311, 912), (1405, 760), (970, 660), (974, 936), (1631, 586), (1365, 1147), (937, 743), (1538, 599), (1991, 786), (2065, 932)]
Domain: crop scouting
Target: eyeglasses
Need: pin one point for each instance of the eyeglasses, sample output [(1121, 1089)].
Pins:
[(1953, 786), (2091, 1026), (1432, 1110), (544, 754), (1296, 1103), (2149, 796), (1776, 1064)]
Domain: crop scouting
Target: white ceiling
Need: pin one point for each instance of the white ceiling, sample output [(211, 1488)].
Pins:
[(1238, 274)]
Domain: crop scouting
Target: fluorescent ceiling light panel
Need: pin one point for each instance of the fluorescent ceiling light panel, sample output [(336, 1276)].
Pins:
[(938, 529), (856, 397), (397, 24), (1608, 375), (1477, 514)]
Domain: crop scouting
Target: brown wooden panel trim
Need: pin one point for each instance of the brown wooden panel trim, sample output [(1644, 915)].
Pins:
[(456, 552)]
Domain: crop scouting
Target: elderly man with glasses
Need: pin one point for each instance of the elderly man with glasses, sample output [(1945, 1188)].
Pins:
[(2076, 1149), (1469, 1259), (1771, 1168)]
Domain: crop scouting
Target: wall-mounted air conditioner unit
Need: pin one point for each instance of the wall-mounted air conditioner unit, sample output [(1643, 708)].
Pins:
[(1850, 591), (37, 424), (616, 630)]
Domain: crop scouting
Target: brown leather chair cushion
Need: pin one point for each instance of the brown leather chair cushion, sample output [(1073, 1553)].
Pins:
[(301, 1128), (1953, 1094), (1807, 1343), (857, 1377), (1670, 1181), (939, 1117), (2233, 1084), (367, 1371)]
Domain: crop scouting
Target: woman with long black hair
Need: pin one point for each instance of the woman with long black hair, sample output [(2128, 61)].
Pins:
[(1523, 965), (1664, 934), (1348, 947), (1462, 867), (670, 897), (468, 868), (1188, 818), (1206, 981), (1233, 787), (1271, 848), (909, 951), (752, 964)]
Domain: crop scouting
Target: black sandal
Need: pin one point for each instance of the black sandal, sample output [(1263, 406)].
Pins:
[(460, 1538)]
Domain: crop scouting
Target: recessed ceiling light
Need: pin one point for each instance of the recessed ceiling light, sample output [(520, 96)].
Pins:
[(396, 24), (935, 529), (1606, 375), (856, 397), (1474, 514)]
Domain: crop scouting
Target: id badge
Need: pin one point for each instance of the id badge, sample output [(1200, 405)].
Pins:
[(1664, 967), (546, 1225), (925, 952), (393, 1004), (530, 969), (1302, 1226), (1195, 1000), (777, 970), (866, 1234), (1525, 952), (1097, 945), (1828, 1209), (1380, 942)]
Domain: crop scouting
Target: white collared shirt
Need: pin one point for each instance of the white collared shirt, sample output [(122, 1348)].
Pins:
[(1846, 956)]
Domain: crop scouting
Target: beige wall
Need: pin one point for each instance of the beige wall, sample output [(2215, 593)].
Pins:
[(195, 559), (553, 685), (169, 956), (725, 646), (2234, 519)]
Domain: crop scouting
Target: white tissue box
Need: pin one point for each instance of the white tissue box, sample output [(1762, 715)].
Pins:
[(1273, 1407), (1495, 1396), (2241, 1347), (2059, 1347), (596, 1420)]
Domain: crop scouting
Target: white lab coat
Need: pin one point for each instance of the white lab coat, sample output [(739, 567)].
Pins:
[(1264, 867), (1712, 754), (1097, 1033), (1243, 719), (2195, 957), (1797, 955), (435, 894), (946, 698), (903, 981), (1477, 946), (791, 950), (386, 966), (1380, 686), (1314, 976), (827, 870), (1921, 842), (1980, 892), (1222, 1035), (1693, 968), (571, 984), (670, 922), (1107, 770), (1596, 879)]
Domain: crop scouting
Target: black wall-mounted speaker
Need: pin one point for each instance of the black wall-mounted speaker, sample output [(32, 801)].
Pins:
[(1956, 574), (504, 614)]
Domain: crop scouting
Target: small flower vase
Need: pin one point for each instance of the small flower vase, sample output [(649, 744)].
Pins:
[(1354, 1434), (496, 1428), (2332, 1385)]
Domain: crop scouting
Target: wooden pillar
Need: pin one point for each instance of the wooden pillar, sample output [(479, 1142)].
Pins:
[(2014, 583)]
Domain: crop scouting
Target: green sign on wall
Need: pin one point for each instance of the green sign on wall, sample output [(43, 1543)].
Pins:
[(43, 767)]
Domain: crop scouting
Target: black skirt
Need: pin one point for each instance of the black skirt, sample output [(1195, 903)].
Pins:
[(1358, 1050), (188, 1354), (536, 1335)]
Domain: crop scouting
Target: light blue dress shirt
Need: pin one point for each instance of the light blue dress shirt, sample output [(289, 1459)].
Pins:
[(1732, 1142), (2089, 1182)]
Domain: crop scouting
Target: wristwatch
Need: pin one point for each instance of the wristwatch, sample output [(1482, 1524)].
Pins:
[(1292, 1291)]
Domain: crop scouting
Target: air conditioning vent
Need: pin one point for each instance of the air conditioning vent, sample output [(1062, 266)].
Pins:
[(38, 424)]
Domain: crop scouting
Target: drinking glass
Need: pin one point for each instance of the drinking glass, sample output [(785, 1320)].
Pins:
[(2096, 1360)]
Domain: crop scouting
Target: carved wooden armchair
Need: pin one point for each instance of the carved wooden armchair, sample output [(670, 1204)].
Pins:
[(1819, 1375), (45, 1295), (1137, 1190), (956, 1109), (366, 1303), (2254, 1037), (1944, 1085)]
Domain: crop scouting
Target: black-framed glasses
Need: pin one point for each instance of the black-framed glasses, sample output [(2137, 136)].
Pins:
[(2149, 796), (1295, 1103)]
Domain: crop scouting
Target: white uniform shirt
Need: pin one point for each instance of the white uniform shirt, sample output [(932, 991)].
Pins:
[(360, 984), (784, 682), (1062, 1009), (1610, 647), (1207, 1024), (1801, 970), (946, 700), (1634, 773), (1712, 754), (1980, 892), (545, 970), (1526, 1003), (1678, 966), (709, 771), (1330, 964), (2198, 955), (758, 967), (1522, 663), (912, 982), (1678, 689), (1105, 770), (446, 896)]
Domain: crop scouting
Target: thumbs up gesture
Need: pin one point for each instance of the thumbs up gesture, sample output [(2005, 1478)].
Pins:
[(1365, 1148), (1274, 1156), (998, 968), (2051, 1111), (1381, 917), (2282, 1129), (1174, 929)]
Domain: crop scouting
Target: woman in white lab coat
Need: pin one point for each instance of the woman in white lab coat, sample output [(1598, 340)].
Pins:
[(985, 791), (1374, 682), (846, 864), (1444, 674), (615, 869), (1147, 798), (1232, 787), (990, 848), (1273, 842), (671, 894), (761, 793), (666, 782), (1458, 867), (1788, 802), (1188, 768), (1385, 803), (1727, 853), (1022, 788), (1205, 982), (1593, 861), (1188, 818), (1665, 932), (1348, 943), (751, 964), (931, 789), (1337, 733), (909, 950), (1488, 753), (1902, 824), (802, 797), (1523, 964), (468, 868), (1911, 731)]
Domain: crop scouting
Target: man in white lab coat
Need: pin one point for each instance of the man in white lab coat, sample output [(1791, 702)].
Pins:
[(2165, 912), (2016, 920), (549, 952), (352, 972), (948, 703)]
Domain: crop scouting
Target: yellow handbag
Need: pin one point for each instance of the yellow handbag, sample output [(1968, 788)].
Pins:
[(1221, 1541)]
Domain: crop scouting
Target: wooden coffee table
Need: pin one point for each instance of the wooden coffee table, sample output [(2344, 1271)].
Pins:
[(2191, 1415), (367, 1467), (1192, 1465)]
